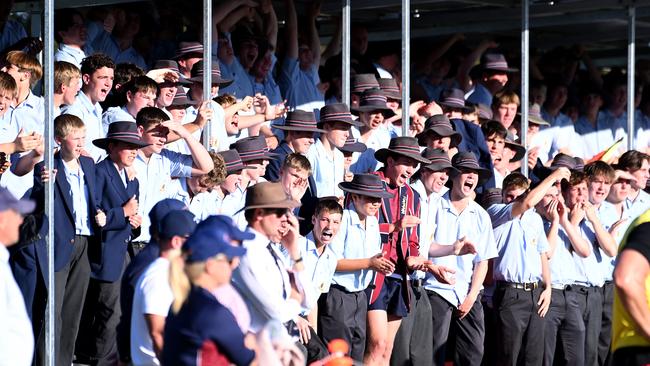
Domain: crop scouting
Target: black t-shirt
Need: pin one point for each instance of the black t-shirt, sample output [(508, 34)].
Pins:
[(639, 240)]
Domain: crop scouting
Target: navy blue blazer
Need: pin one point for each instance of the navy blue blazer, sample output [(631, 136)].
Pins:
[(64, 220), (107, 259), (474, 141)]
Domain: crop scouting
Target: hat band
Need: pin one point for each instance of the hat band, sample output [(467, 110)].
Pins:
[(366, 188), (249, 153), (455, 101), (496, 65), (114, 135), (374, 98), (234, 165), (336, 116), (467, 163), (297, 123), (405, 149)]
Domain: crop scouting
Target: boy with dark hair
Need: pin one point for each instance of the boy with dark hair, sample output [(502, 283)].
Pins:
[(139, 92), (96, 342), (637, 164), (97, 77), (71, 35)]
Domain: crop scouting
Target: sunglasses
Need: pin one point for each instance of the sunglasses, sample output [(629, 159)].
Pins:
[(278, 212)]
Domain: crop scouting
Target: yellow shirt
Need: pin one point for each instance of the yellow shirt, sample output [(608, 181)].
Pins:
[(624, 332)]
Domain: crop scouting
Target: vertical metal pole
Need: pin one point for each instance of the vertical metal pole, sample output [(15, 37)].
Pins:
[(345, 52), (525, 48), (406, 64), (631, 35), (48, 88), (207, 63)]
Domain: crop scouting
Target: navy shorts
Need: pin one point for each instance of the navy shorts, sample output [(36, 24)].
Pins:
[(391, 298)]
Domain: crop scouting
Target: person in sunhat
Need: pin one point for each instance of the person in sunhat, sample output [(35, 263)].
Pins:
[(351, 147), (357, 246), (187, 55), (359, 84), (208, 259), (119, 200), (169, 80), (180, 103), (413, 339), (494, 77), (325, 158), (453, 104), (393, 101), (389, 299), (263, 277), (228, 191), (438, 134), (372, 111), (459, 218), (299, 128)]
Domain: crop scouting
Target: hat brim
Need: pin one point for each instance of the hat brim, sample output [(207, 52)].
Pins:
[(236, 251), (436, 167), (347, 187), (392, 95), (382, 154), (387, 112), (507, 69), (302, 129), (221, 82), (279, 204), (463, 108), (352, 123), (240, 235), (103, 142), (455, 137), (519, 150), (23, 206), (535, 120), (355, 147), (483, 174)]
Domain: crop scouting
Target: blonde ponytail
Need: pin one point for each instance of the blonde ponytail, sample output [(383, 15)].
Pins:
[(179, 282)]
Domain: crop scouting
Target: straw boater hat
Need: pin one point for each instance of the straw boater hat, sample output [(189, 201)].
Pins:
[(466, 160), (369, 185), (404, 146), (495, 62), (300, 121), (455, 98), (233, 161), (197, 74), (253, 148), (535, 115), (519, 149), (438, 160), (390, 88), (440, 125), (363, 82), (337, 112), (352, 146), (373, 100), (268, 195), (121, 131), (188, 49)]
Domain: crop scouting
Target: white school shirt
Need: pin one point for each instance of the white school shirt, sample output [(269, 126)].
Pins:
[(327, 171), (91, 115)]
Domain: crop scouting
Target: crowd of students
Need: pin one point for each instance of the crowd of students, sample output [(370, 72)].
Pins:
[(303, 219)]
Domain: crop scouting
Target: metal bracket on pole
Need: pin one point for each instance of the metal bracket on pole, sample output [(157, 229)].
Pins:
[(345, 52), (48, 88), (406, 64), (631, 35), (525, 48), (207, 64)]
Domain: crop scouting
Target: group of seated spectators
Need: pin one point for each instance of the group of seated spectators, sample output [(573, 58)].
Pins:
[(272, 220)]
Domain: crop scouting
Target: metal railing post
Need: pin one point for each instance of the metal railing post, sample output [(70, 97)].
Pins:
[(207, 64), (631, 35), (525, 48), (345, 52), (406, 64)]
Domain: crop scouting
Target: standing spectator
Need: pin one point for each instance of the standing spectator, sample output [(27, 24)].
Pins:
[(187, 55), (96, 341), (11, 31), (372, 111), (153, 295), (299, 73), (71, 35), (631, 336), (637, 164), (118, 43), (67, 83), (494, 77), (17, 340), (97, 77)]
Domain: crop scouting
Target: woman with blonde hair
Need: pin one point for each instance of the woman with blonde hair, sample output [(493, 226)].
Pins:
[(199, 329)]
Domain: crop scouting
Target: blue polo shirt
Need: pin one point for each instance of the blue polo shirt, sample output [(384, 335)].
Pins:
[(327, 170), (13, 32), (300, 87), (353, 241), (563, 269), (203, 330), (520, 242)]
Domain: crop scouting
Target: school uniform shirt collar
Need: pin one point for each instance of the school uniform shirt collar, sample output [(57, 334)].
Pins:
[(446, 204), (76, 53), (96, 108), (4, 254)]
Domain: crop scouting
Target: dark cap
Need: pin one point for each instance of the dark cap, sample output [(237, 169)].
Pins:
[(373, 100), (466, 160), (352, 145), (363, 82), (454, 98), (197, 74), (441, 126), (300, 121), (9, 202), (438, 159), (233, 161), (176, 223), (211, 238), (495, 62), (336, 112), (390, 88), (162, 208), (253, 148), (188, 49)]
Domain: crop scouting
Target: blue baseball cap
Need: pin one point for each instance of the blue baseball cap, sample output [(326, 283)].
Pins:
[(234, 233), (210, 238), (9, 202), (176, 223), (162, 208)]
